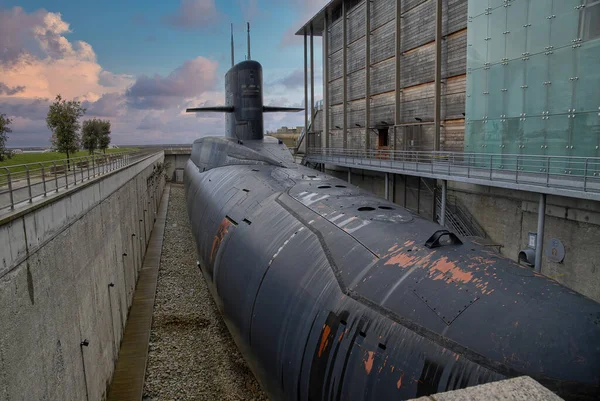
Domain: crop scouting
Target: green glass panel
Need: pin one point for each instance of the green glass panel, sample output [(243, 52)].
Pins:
[(515, 78), (535, 139), (587, 89), (476, 131), (564, 28), (561, 70), (516, 19), (586, 135), (477, 7), (494, 131), (560, 7), (513, 136), (497, 38), (477, 53), (494, 4), (539, 11), (495, 96), (477, 100), (558, 129), (538, 32), (536, 73)]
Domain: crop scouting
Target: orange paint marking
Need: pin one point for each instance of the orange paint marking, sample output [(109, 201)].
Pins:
[(393, 248), (444, 266), (409, 243), (223, 229), (399, 382), (324, 339), (369, 362), (401, 260)]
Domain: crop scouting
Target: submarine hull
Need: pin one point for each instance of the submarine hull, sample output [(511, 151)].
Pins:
[(332, 293)]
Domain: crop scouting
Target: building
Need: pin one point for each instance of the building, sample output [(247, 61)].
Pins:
[(289, 136), (509, 88)]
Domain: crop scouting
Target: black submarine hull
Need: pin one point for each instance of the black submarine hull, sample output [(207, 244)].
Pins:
[(332, 294)]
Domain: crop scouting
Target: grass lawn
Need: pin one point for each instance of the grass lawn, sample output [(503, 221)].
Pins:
[(24, 158)]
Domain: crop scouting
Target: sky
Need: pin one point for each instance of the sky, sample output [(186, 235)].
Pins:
[(141, 64)]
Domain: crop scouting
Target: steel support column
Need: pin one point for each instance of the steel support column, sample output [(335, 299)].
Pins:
[(443, 202), (312, 79), (349, 175), (398, 87), (387, 186), (326, 80), (345, 73), (438, 75), (367, 74), (539, 243), (307, 138)]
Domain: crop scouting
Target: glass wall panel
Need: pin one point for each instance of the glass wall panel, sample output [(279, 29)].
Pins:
[(536, 73), (496, 3), (558, 130), (561, 71), (564, 27), (538, 31), (496, 35), (587, 90), (477, 55), (586, 135), (535, 138), (515, 78), (476, 135), (515, 25), (495, 96), (477, 100), (560, 7), (513, 136), (477, 7)]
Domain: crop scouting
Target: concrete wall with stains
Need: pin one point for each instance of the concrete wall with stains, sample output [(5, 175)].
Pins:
[(507, 216), (58, 261)]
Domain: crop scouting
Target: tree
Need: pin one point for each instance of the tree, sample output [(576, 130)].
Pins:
[(63, 120), (90, 133), (4, 129), (104, 138)]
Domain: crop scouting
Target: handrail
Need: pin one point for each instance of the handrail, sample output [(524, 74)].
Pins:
[(564, 172), (24, 182)]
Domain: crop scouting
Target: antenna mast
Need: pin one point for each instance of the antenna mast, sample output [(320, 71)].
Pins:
[(248, 41), (232, 56)]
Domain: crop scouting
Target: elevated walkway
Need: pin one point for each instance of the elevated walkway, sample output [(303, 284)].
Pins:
[(575, 177)]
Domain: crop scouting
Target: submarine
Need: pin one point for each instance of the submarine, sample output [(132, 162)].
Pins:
[(332, 293)]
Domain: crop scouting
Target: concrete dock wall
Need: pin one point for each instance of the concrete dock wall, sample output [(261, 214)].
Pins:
[(68, 269), (176, 159)]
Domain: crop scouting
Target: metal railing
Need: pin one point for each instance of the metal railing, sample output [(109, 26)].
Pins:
[(23, 182), (572, 173)]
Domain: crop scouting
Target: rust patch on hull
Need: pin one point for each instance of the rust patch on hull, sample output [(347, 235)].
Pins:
[(223, 229)]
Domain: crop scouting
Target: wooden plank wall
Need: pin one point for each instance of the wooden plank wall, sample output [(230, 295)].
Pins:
[(416, 74)]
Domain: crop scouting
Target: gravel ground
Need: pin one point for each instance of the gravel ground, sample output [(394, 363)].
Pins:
[(191, 355)]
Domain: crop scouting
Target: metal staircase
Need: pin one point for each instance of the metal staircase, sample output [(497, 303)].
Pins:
[(458, 218)]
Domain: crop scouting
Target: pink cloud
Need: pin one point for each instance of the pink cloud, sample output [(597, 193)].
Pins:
[(193, 14), (37, 62)]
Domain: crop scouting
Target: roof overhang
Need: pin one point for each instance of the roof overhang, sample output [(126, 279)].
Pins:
[(318, 20)]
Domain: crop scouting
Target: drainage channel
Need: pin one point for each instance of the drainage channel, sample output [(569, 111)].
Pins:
[(128, 378)]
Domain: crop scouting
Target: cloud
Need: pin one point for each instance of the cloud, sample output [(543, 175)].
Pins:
[(37, 62), (295, 79), (193, 14), (306, 9), (5, 90), (191, 79)]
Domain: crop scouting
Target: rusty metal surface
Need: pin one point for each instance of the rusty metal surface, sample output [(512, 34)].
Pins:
[(128, 378)]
